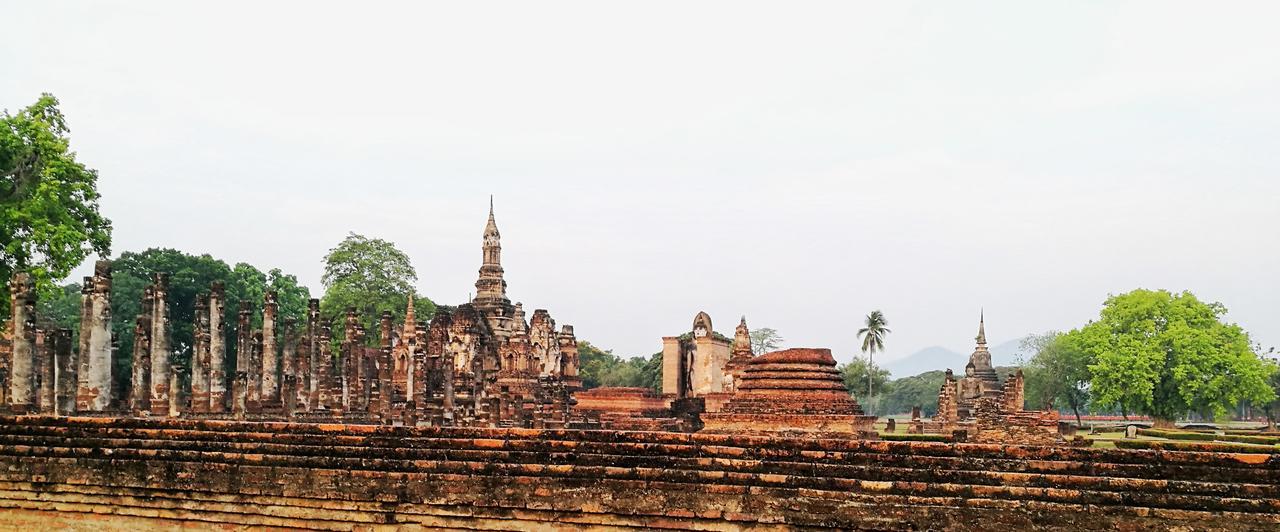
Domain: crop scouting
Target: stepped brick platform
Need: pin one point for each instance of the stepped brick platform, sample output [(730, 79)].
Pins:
[(794, 391), (130, 474)]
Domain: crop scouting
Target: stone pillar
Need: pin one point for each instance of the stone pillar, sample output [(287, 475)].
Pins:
[(22, 366), (313, 353), (289, 368), (350, 353), (140, 381), (302, 371), (244, 359), (160, 344), (330, 383), (200, 358), (94, 371), (45, 372), (380, 396), (324, 365), (65, 362), (441, 367), (270, 360), (255, 373), (420, 393), (217, 348)]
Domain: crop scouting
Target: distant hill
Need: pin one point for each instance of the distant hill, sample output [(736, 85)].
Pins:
[(927, 359), (940, 358)]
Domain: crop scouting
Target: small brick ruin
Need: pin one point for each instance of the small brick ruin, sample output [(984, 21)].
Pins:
[(793, 392), (984, 410), (481, 365)]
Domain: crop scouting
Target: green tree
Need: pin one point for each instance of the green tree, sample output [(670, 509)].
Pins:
[(189, 276), (873, 335), (1058, 372), (62, 308), (49, 219), (764, 340), (1165, 354), (857, 372), (373, 276), (599, 367), (901, 395), (1272, 407)]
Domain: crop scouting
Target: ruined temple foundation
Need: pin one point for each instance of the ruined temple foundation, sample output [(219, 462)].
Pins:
[(794, 391), (158, 473)]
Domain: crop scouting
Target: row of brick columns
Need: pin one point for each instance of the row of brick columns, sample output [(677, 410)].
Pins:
[(283, 370)]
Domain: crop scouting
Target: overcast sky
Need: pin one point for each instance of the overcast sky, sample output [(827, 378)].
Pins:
[(799, 163)]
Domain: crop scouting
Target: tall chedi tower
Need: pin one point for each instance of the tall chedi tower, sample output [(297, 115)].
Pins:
[(491, 288), (980, 361)]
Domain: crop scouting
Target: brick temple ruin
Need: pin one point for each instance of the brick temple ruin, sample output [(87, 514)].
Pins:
[(983, 409), (482, 364), (475, 421)]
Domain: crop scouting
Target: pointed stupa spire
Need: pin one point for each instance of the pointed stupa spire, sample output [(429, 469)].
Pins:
[(491, 288), (982, 328), (410, 322)]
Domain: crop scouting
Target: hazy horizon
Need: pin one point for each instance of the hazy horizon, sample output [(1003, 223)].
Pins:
[(800, 165)]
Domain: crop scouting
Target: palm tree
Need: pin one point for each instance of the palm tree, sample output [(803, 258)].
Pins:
[(873, 340)]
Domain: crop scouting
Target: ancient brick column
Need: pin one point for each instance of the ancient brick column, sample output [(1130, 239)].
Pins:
[(45, 372), (95, 365), (255, 373), (313, 353), (419, 392), (302, 370), (66, 388), (380, 396), (288, 368), (200, 358), (349, 353), (22, 328), (321, 372), (330, 385), (270, 360), (217, 348), (244, 360), (160, 344), (441, 361), (140, 382)]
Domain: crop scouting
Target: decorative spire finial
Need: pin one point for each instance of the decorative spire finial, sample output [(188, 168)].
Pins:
[(982, 327)]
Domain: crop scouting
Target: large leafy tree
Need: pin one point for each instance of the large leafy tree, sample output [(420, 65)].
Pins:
[(600, 367), (1058, 372), (1165, 354), (873, 333), (49, 219), (373, 276), (764, 340), (858, 372)]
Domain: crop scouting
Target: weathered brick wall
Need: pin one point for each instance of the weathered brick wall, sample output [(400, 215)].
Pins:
[(104, 474)]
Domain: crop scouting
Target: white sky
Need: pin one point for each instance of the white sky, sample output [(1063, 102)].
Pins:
[(799, 163)]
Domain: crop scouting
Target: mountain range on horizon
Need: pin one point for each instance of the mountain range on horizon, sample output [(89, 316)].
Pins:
[(940, 358)]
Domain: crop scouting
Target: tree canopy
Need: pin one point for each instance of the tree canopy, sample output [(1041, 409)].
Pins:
[(598, 367), (855, 375), (49, 217), (764, 340), (1165, 354), (1058, 374), (373, 276)]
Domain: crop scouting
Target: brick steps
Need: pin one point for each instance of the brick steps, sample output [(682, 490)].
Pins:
[(728, 470), (336, 477)]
